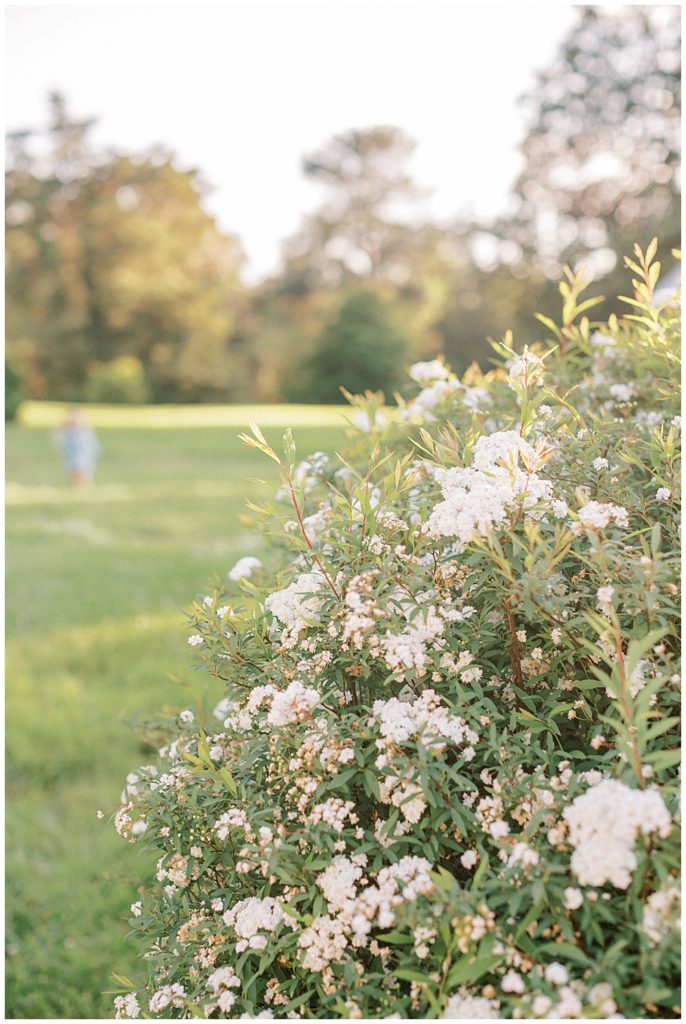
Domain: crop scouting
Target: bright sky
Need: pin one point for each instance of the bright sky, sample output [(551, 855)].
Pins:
[(243, 90)]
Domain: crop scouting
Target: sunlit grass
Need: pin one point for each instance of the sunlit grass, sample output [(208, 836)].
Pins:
[(52, 414), (96, 586)]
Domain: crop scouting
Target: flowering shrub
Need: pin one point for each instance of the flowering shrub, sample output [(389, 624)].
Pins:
[(443, 781)]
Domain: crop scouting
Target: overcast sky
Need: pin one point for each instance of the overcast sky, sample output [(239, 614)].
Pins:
[(242, 91)]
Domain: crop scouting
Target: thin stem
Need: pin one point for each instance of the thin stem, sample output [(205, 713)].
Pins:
[(627, 708), (315, 556), (515, 657)]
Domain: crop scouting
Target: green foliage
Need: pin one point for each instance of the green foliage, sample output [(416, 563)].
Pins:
[(361, 348), (14, 392), (443, 781), (121, 381)]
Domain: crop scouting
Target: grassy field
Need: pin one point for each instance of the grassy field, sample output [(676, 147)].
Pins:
[(96, 586)]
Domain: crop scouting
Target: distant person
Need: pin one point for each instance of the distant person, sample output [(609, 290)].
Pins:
[(80, 448)]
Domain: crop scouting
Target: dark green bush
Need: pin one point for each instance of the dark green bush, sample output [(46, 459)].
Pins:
[(360, 349), (121, 381)]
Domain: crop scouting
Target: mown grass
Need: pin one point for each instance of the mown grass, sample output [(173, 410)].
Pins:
[(96, 586)]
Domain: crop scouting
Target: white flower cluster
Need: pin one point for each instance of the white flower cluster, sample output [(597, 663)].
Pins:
[(353, 914), (662, 913), (363, 421), (605, 595), (407, 650), (324, 942), (244, 567), (465, 1007), (422, 406), (233, 818), (597, 515), (361, 619), (338, 881), (168, 995), (478, 498), (622, 392), (426, 718), (294, 704), (250, 918), (571, 1001), (525, 370), (221, 982), (315, 524), (297, 604), (427, 373), (604, 824), (127, 1007), (333, 812)]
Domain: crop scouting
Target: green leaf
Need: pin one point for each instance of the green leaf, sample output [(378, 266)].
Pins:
[(396, 938), (659, 728), (408, 975), (123, 980), (468, 970), (228, 780), (480, 872), (663, 758), (566, 951)]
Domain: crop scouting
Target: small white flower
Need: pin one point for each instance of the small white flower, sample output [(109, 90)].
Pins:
[(605, 595), (195, 640), (137, 908), (138, 828), (525, 369), (556, 974), (186, 716), (512, 982), (427, 373), (573, 898), (600, 463), (364, 422), (222, 709), (244, 567), (663, 494), (468, 859)]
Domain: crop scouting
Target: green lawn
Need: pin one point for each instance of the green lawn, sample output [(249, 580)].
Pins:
[(96, 586)]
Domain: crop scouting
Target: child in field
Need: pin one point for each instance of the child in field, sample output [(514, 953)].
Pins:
[(80, 448)]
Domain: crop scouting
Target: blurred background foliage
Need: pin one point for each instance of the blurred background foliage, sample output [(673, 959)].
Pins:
[(121, 287)]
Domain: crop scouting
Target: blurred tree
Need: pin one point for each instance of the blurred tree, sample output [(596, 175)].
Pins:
[(365, 233), (355, 234), (361, 349), (108, 255), (120, 381), (600, 171), (601, 156)]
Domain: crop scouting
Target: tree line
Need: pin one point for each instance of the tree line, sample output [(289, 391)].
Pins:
[(122, 287)]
